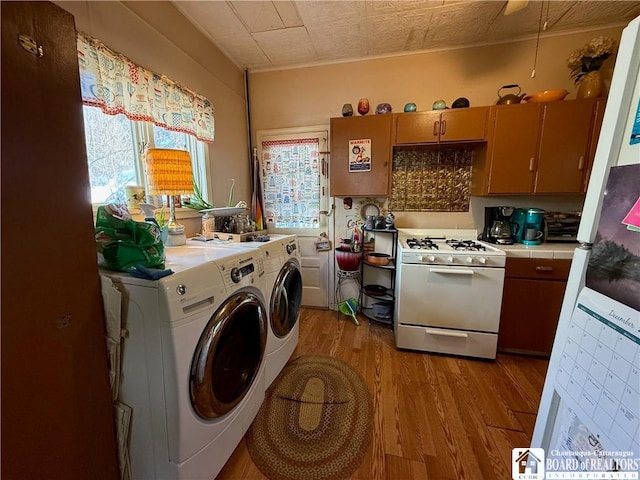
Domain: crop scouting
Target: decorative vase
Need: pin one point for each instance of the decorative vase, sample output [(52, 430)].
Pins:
[(363, 106), (347, 110), (590, 85)]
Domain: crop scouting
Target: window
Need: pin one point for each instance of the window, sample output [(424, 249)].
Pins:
[(115, 146), (291, 183)]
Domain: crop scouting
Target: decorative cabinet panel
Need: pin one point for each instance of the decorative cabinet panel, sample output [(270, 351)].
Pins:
[(346, 179), (531, 302), (537, 148), (437, 126)]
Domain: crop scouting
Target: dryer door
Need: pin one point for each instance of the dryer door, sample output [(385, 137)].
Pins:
[(228, 355), (286, 299)]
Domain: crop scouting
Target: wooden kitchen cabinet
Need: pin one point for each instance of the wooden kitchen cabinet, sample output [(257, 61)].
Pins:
[(374, 182), (437, 126), (531, 301), (536, 148), (564, 146), (598, 115), (511, 150)]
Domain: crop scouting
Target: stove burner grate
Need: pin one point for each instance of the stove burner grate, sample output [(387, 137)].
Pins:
[(466, 245), (422, 244)]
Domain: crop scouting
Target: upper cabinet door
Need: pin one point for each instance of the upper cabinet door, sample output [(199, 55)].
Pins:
[(454, 125), (598, 116), (418, 127), (464, 124), (374, 179), (564, 146), (512, 148)]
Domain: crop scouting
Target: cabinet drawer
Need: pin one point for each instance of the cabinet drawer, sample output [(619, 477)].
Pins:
[(537, 268)]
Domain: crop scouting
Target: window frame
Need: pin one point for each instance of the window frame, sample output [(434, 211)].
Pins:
[(142, 133)]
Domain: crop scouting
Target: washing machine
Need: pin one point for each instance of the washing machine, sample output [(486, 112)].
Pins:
[(193, 361), (283, 293)]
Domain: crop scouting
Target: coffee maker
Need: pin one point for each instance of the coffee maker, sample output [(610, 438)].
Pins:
[(497, 225), (528, 226)]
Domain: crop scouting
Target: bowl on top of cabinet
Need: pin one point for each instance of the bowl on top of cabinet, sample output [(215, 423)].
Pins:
[(547, 95)]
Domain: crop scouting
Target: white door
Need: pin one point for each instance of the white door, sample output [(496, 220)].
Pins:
[(294, 177)]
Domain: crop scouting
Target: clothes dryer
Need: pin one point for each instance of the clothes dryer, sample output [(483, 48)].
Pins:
[(193, 362), (283, 294), (284, 309), (281, 255)]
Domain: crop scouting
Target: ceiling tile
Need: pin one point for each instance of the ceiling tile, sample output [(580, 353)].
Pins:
[(288, 13), (398, 32), (286, 47), (243, 49), (266, 34), (214, 18), (258, 16), (339, 41), (328, 12)]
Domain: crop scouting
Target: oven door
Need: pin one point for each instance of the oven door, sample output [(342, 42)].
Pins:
[(461, 298)]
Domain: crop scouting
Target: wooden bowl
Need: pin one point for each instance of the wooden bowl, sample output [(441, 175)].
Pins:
[(547, 95), (380, 259)]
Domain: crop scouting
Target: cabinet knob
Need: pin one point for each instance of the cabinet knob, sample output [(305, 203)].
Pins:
[(531, 164), (581, 163), (436, 128)]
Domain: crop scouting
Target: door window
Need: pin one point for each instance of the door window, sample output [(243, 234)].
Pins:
[(293, 172)]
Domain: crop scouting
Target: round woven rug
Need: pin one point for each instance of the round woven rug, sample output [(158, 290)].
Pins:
[(315, 422)]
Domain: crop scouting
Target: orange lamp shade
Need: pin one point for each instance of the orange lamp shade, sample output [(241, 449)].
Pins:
[(169, 171)]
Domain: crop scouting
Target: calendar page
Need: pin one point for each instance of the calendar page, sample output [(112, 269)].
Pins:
[(598, 379)]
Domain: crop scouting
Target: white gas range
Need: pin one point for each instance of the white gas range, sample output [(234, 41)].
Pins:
[(449, 292)]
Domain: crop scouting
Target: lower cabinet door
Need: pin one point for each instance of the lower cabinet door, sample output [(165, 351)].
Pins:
[(529, 316)]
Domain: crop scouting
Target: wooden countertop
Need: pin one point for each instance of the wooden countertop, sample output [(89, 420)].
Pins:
[(544, 250)]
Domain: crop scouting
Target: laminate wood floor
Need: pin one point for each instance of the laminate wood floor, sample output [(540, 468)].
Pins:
[(435, 417)]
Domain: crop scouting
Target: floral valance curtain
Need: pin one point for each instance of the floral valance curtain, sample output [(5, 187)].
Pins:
[(114, 83)]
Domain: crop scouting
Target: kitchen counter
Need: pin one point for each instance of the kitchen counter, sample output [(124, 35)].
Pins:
[(544, 250)]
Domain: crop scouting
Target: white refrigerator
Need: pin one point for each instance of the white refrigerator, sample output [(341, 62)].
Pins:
[(588, 423)]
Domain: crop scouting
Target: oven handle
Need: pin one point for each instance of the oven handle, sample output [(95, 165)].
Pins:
[(446, 333), (451, 270)]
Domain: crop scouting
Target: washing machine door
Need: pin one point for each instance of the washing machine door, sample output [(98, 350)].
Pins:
[(286, 299), (228, 355)]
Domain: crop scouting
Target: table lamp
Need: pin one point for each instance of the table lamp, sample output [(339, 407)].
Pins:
[(169, 173)]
